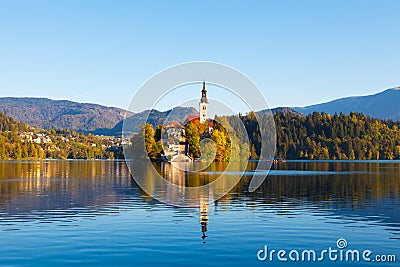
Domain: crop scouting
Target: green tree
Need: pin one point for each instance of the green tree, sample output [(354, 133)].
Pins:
[(192, 135)]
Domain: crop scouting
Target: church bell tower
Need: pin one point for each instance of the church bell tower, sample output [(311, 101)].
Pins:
[(203, 106)]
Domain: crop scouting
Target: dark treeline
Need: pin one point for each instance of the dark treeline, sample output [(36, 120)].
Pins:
[(325, 136), (315, 136)]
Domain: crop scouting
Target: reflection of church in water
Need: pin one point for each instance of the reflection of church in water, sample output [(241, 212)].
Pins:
[(179, 177), (204, 219), (203, 109)]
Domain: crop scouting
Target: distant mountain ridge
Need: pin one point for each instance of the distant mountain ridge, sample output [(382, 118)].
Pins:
[(84, 117), (383, 105), (47, 113)]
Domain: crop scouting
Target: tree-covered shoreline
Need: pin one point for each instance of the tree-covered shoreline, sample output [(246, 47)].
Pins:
[(18, 141), (317, 136), (339, 136)]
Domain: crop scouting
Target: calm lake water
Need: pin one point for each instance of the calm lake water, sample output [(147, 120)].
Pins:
[(66, 213)]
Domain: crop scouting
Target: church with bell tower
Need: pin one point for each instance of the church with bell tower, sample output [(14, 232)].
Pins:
[(203, 105)]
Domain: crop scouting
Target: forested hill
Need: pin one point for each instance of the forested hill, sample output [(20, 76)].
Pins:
[(8, 124), (11, 145), (324, 136), (51, 114), (20, 141), (83, 117)]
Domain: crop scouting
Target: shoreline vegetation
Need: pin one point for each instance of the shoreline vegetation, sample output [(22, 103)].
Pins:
[(318, 136), (19, 141)]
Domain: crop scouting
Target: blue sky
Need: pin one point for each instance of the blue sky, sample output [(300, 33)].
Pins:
[(297, 52)]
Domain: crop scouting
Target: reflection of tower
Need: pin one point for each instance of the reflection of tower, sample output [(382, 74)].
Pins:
[(204, 219), (203, 106)]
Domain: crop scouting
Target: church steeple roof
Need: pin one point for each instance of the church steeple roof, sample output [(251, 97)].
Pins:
[(204, 94)]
